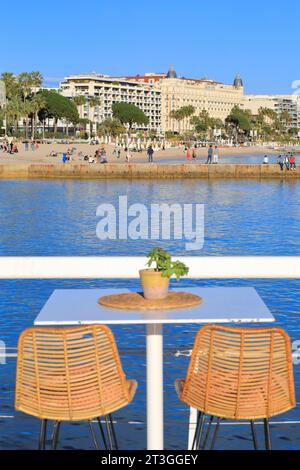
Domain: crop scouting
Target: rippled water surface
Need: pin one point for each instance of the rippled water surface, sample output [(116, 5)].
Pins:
[(59, 218)]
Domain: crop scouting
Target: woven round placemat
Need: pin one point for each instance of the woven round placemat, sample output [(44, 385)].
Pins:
[(136, 301)]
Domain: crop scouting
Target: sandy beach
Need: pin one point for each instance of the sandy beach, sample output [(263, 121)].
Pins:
[(41, 155)]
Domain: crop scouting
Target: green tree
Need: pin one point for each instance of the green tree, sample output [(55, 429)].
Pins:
[(58, 107), (285, 120), (238, 122), (29, 81), (14, 110), (12, 85), (267, 123), (38, 103), (13, 98), (111, 127), (203, 124), (129, 114), (182, 113), (94, 101), (79, 100)]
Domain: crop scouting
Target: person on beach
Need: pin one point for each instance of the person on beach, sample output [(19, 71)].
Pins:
[(32, 146), (119, 153), (266, 160), (128, 156), (287, 162), (64, 157), (150, 153), (280, 161), (188, 153), (26, 146), (293, 162), (194, 155), (216, 155), (103, 157), (69, 155), (97, 156), (210, 154)]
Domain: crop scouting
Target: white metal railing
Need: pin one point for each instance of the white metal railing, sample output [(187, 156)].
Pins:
[(122, 267)]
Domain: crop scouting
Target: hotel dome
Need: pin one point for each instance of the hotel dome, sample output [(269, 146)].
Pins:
[(171, 72), (238, 82)]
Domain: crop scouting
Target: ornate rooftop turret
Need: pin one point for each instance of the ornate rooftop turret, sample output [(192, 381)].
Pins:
[(171, 72), (238, 82)]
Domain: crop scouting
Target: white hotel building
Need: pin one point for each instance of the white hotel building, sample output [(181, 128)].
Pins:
[(157, 94), (112, 90)]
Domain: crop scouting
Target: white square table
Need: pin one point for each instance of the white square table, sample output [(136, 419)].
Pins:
[(220, 305)]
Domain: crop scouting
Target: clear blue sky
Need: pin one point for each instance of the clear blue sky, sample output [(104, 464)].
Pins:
[(260, 39)]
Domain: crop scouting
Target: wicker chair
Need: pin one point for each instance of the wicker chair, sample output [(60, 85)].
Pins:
[(239, 374), (71, 374)]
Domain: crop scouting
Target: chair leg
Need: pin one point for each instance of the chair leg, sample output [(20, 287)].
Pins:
[(267, 434), (207, 432), (109, 432), (102, 433), (113, 432), (254, 437), (215, 434), (196, 430), (55, 434), (93, 435), (201, 426), (42, 437)]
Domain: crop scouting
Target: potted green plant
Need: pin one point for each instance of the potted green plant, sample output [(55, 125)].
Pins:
[(155, 281)]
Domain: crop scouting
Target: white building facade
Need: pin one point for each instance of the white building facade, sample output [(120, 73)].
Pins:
[(278, 103), (109, 90)]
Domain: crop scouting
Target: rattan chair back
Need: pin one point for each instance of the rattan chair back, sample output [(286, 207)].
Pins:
[(70, 373), (240, 373)]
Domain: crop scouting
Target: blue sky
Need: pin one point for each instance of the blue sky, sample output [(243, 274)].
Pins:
[(216, 38)]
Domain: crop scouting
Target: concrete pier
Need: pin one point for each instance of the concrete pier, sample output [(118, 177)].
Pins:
[(144, 171)]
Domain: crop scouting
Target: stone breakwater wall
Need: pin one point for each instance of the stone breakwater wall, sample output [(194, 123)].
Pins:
[(144, 171)]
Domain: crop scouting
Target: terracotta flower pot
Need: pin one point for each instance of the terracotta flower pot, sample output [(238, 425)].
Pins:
[(155, 286)]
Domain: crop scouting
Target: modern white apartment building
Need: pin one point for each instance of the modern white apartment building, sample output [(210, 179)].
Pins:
[(110, 90), (278, 103)]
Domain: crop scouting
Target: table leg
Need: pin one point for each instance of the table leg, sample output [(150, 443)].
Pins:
[(155, 411), (192, 427)]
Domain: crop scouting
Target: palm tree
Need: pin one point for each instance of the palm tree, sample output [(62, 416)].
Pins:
[(182, 113), (12, 86), (178, 116), (14, 110), (28, 81), (79, 100), (25, 81), (267, 122), (12, 90), (94, 101), (37, 104), (111, 127), (285, 119)]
